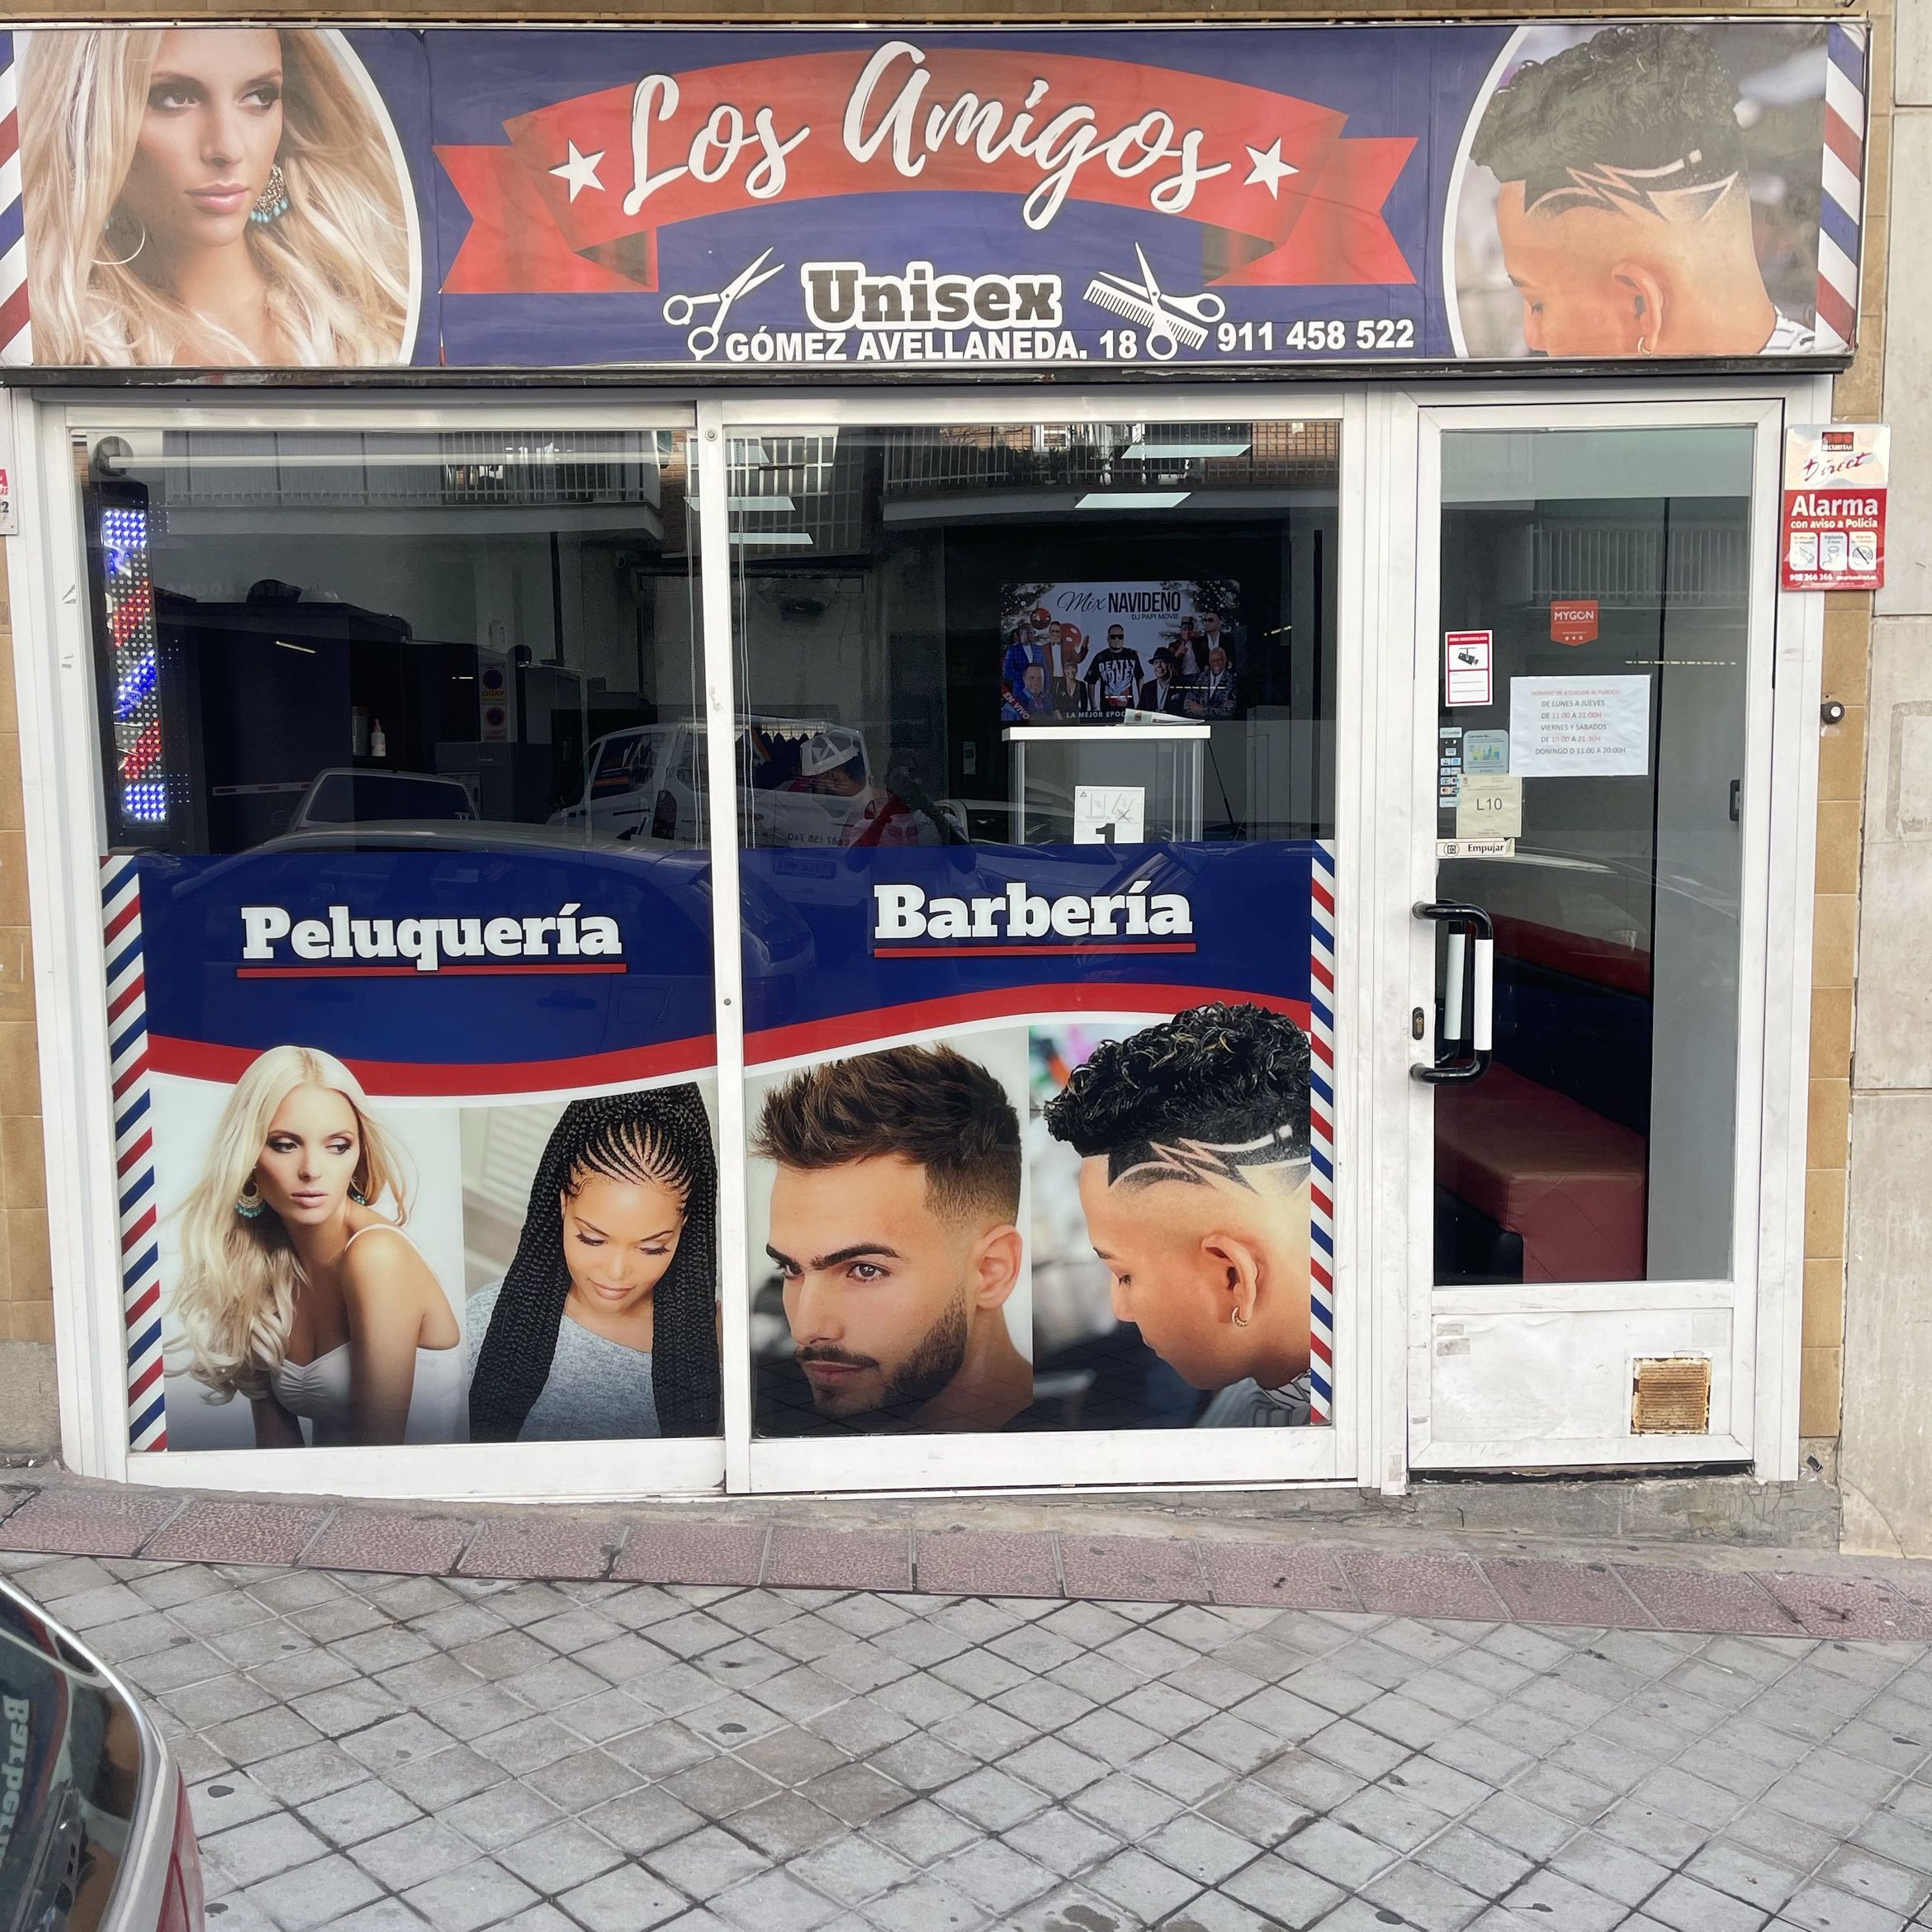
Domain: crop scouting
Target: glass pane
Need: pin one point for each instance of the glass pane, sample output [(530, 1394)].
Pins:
[(406, 821), (1036, 773), (1594, 617)]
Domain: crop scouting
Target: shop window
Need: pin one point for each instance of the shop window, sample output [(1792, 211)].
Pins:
[(1036, 775), (404, 824)]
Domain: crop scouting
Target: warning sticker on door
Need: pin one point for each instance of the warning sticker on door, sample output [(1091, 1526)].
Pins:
[(1468, 658)]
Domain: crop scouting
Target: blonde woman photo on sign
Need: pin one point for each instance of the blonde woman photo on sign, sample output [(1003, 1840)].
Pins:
[(207, 195), (296, 1290)]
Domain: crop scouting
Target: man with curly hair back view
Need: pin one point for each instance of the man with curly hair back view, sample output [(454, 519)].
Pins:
[(1193, 1136), (1625, 214)]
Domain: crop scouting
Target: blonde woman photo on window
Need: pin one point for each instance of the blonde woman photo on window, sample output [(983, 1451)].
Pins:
[(203, 196), (296, 1291)]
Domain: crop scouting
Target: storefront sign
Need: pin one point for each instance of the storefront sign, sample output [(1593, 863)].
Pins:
[(1834, 491), (944, 201), (1573, 622), (1580, 728)]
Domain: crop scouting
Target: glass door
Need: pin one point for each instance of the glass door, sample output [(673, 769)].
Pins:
[(1036, 759), (1594, 684)]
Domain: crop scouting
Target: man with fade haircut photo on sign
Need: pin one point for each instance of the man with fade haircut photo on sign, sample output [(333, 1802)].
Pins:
[(1194, 1139), (1625, 215), (894, 1228)]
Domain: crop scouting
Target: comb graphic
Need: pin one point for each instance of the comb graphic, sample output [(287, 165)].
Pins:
[(1172, 323)]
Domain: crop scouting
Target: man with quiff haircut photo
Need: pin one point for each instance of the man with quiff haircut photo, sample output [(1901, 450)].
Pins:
[(894, 1228)]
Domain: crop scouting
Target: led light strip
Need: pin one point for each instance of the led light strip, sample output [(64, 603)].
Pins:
[(1321, 1123), (1841, 205), (134, 1151), (129, 597)]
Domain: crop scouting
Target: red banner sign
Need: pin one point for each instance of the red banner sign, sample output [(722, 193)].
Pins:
[(1573, 622), (575, 200)]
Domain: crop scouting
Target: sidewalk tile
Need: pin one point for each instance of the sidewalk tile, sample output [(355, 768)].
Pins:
[(236, 1532), (981, 1563), (1275, 1573), (388, 1540), (1836, 1607), (1145, 1570), (1420, 1586), (81, 1520), (839, 1559), (541, 1543), (691, 1553), (1587, 1594), (1701, 1600)]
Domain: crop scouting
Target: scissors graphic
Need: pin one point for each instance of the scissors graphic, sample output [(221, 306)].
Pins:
[(680, 310), (1171, 322)]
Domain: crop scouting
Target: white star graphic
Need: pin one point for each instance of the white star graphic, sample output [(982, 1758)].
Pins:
[(581, 171), (1269, 169)]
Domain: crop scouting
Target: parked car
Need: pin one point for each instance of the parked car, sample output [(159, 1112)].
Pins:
[(346, 795), (95, 1832)]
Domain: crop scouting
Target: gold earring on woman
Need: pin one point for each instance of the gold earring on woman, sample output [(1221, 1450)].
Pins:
[(271, 204), (250, 1204), (1644, 347), (1240, 1319)]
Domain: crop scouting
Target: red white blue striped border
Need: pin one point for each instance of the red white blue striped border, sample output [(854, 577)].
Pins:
[(134, 1151), (1321, 1121), (1841, 202), (17, 342)]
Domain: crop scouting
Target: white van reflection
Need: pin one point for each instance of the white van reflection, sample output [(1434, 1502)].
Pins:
[(802, 783)]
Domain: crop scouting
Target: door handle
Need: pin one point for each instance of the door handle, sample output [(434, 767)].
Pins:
[(1469, 928)]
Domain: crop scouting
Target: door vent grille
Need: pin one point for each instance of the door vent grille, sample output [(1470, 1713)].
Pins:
[(1670, 1395)]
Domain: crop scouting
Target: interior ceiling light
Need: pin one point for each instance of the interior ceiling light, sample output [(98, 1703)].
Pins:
[(1163, 452), (1112, 500), (796, 539)]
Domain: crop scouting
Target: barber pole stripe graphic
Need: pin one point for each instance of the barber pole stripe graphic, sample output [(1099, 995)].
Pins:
[(134, 1151), (1321, 1191), (17, 344), (1841, 205)]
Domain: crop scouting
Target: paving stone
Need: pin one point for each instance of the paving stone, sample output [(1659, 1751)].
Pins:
[(986, 1563), (1603, 1865), (1706, 1600), (839, 1559), (391, 1541), (691, 1552), (82, 1520), (545, 1543), (237, 1533), (1419, 1896), (1419, 1586), (473, 1895), (1562, 1902), (314, 1895), (277, 1842), (1588, 1594), (424, 1850), (1136, 1568), (625, 1901), (559, 1856), (1285, 1894)]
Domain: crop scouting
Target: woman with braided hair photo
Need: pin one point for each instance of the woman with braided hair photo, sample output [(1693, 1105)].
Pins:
[(605, 1324)]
